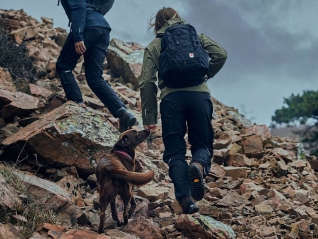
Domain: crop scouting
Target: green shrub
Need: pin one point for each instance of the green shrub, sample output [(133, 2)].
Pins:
[(14, 57)]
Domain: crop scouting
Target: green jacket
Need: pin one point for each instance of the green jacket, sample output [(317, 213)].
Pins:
[(148, 79)]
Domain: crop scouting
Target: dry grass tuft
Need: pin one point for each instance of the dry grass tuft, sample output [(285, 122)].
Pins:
[(31, 213)]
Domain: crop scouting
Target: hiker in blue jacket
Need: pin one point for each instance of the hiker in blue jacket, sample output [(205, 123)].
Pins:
[(89, 36)]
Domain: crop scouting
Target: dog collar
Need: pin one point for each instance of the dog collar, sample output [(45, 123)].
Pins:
[(123, 153)]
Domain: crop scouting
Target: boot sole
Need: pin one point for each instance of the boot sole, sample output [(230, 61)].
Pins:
[(129, 124), (196, 180)]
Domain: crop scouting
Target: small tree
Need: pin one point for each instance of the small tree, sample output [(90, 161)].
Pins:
[(301, 108)]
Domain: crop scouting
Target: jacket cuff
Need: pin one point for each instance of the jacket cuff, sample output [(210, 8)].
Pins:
[(78, 37)]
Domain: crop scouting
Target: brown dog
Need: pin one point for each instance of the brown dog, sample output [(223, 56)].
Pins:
[(115, 174)]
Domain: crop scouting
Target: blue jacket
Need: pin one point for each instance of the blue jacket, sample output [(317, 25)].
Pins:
[(81, 17)]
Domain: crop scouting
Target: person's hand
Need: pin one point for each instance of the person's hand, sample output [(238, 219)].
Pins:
[(80, 47)]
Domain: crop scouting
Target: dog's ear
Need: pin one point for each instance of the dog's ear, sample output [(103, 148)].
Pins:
[(124, 141)]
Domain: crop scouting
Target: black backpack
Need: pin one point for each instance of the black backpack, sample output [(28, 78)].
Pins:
[(183, 62)]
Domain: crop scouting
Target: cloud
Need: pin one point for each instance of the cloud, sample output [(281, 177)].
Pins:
[(272, 45), (258, 38)]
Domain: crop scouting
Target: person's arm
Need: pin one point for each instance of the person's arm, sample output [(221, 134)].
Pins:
[(217, 54), (148, 90), (77, 18)]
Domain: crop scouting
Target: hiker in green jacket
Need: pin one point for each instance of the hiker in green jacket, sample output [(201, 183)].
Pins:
[(187, 109)]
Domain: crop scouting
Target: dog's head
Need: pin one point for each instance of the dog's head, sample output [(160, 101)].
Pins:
[(131, 138)]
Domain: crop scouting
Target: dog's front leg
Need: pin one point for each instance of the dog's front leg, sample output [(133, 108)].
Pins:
[(132, 206), (114, 213)]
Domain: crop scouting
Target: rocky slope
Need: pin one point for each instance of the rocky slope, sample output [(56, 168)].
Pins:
[(259, 186)]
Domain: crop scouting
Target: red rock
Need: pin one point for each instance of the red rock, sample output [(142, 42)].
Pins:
[(217, 171), (268, 232), (25, 33), (233, 199), (8, 231), (292, 236), (81, 234), (16, 104), (222, 142), (39, 91), (199, 226), (236, 172), (144, 229), (152, 192), (260, 130), (62, 135), (250, 187), (238, 160), (287, 155), (252, 146)]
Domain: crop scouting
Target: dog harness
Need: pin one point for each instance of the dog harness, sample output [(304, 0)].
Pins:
[(123, 153)]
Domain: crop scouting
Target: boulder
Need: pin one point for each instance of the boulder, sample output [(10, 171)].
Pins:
[(8, 231), (252, 146), (125, 60), (260, 130), (22, 34), (200, 226), (144, 229), (67, 136), (16, 104), (50, 196)]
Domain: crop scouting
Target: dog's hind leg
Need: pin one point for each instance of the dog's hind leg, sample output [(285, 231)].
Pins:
[(114, 213), (132, 206), (103, 202), (126, 200)]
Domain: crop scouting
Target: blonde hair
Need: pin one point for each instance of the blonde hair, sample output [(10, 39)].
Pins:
[(162, 16)]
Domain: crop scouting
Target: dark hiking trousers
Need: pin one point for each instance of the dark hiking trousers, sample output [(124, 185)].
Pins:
[(96, 41), (181, 111)]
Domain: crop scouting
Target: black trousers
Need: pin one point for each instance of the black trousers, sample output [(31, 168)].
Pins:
[(96, 41), (184, 111)]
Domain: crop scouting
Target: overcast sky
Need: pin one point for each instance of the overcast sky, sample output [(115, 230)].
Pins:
[(272, 45)]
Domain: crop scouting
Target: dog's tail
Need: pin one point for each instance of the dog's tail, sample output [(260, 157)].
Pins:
[(137, 179)]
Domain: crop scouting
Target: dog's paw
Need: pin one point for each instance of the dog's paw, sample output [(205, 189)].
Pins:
[(119, 223)]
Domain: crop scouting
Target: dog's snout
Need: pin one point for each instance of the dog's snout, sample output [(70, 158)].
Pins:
[(147, 131), (143, 135)]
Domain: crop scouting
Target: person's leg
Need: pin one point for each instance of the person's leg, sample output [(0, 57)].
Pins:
[(173, 132), (200, 135), (94, 58), (65, 64)]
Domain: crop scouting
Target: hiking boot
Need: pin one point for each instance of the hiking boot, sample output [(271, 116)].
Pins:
[(126, 119), (196, 181), (188, 205)]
